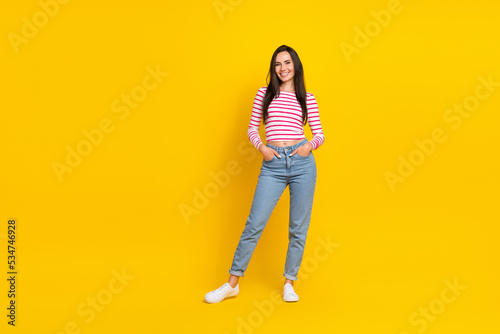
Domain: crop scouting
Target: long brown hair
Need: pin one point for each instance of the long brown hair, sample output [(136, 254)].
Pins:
[(273, 87)]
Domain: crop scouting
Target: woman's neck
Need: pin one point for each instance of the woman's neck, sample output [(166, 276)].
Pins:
[(288, 88)]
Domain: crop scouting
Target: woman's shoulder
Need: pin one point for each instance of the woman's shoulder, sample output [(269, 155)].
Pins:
[(261, 92), (310, 96)]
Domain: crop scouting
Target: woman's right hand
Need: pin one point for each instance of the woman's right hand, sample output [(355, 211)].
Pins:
[(268, 152)]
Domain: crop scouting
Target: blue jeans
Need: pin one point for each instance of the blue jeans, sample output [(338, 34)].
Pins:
[(299, 172)]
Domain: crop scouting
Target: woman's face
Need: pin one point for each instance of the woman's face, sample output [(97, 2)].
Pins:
[(284, 66)]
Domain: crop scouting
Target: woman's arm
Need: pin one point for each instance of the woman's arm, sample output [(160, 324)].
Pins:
[(255, 119), (314, 122), (253, 127)]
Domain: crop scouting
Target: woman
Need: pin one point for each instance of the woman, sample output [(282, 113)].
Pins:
[(285, 107)]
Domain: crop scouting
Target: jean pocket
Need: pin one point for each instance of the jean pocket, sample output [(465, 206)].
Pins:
[(274, 157), (303, 157)]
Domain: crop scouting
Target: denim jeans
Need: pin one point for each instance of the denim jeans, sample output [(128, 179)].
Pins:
[(299, 172)]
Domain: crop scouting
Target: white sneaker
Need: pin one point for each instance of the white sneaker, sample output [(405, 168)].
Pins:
[(289, 294), (224, 291)]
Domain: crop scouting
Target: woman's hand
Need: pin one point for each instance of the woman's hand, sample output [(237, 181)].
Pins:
[(268, 152), (303, 150)]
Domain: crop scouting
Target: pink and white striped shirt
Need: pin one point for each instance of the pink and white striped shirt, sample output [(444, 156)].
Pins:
[(284, 121)]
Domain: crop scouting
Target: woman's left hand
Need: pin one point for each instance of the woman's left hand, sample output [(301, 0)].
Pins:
[(303, 150)]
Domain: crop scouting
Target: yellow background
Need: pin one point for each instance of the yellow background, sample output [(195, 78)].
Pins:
[(120, 208)]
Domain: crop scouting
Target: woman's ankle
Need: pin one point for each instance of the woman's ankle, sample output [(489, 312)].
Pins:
[(233, 281)]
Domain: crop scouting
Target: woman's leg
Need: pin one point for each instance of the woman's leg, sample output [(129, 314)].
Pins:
[(270, 187), (302, 185), (233, 280)]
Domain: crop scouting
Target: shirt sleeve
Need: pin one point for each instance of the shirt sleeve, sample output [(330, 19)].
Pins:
[(314, 122), (255, 119)]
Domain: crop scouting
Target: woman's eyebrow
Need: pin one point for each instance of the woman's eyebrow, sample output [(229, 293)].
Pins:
[(285, 61)]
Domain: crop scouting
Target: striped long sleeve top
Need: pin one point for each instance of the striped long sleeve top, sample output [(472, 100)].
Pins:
[(284, 121)]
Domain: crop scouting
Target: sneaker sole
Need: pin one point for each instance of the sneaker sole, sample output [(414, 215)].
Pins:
[(231, 294), (289, 300)]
